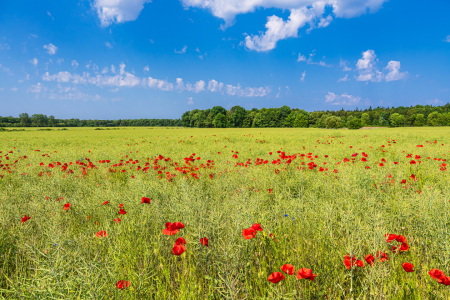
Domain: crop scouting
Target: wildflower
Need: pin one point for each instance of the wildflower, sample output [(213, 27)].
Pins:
[(101, 233), (172, 228), (180, 241), (306, 274), (25, 218), (178, 249), (288, 269), (145, 200), (257, 227), (117, 220), (249, 233), (276, 277), (106, 202), (439, 276), (121, 284), (369, 259), (204, 241), (408, 267), (122, 211), (66, 206)]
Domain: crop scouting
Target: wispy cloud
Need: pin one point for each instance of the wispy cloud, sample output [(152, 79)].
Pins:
[(344, 99), (182, 51), (51, 49)]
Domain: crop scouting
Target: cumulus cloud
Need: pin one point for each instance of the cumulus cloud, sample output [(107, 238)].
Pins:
[(394, 71), (343, 65), (126, 79), (301, 58), (344, 99), (51, 49), (447, 39), (302, 12), (190, 100), (368, 71), (146, 69), (34, 61), (366, 67), (118, 11), (36, 88), (310, 60), (75, 64)]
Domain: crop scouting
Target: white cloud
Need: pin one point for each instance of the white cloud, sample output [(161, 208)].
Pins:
[(146, 69), (303, 76), (60, 61), (199, 86), (50, 15), (118, 11), (302, 12), (343, 79), (36, 88), (277, 29), (75, 64), (51, 49), (34, 61), (301, 58), (394, 71), (310, 60), (191, 101), (126, 79), (343, 65), (14, 89), (228, 9), (182, 51), (366, 67), (447, 39), (344, 99), (5, 69), (108, 44)]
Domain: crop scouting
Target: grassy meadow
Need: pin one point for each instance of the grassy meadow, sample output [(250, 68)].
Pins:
[(315, 194)]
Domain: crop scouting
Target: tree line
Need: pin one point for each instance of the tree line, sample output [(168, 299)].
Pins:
[(219, 117), (238, 117), (41, 120)]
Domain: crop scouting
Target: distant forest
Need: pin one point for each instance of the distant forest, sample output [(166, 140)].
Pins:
[(236, 117)]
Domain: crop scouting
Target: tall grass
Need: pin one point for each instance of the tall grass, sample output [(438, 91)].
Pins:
[(316, 217)]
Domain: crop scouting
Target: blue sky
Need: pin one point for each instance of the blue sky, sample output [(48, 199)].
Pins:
[(117, 59)]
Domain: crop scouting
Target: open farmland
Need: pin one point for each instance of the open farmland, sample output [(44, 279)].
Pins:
[(321, 198)]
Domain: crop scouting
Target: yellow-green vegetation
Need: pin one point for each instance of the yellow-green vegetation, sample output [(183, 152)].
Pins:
[(316, 216)]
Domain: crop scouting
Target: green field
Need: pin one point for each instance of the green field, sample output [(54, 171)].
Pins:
[(316, 204)]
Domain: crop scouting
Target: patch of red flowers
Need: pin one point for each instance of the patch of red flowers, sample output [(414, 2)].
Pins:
[(101, 233), (439, 276), (25, 218), (67, 206), (145, 200), (172, 228), (121, 284)]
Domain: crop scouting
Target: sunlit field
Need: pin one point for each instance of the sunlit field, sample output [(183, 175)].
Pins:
[(84, 214)]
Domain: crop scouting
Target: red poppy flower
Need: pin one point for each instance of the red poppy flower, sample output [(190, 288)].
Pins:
[(122, 211), (349, 261), (257, 227), (120, 205), (276, 277), (359, 263), (145, 200), (178, 249), (172, 228), (288, 269), (413, 177), (180, 241), (369, 259), (117, 220), (25, 218), (408, 267), (404, 247), (249, 233), (439, 276), (101, 233), (204, 241), (390, 237), (106, 202), (66, 206), (382, 256), (121, 284), (306, 274)]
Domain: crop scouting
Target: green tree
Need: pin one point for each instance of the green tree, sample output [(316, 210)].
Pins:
[(433, 119), (24, 120), (419, 120), (365, 119), (237, 117), (220, 121), (354, 123), (396, 120), (333, 122), (186, 119), (301, 120)]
